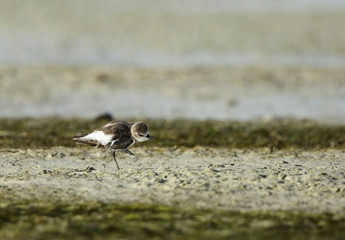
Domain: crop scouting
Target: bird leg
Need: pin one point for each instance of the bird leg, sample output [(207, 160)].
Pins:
[(117, 165), (127, 151), (124, 150)]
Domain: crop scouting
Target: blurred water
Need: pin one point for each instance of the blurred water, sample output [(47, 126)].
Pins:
[(266, 107), (173, 34)]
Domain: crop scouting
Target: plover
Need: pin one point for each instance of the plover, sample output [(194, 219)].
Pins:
[(116, 136)]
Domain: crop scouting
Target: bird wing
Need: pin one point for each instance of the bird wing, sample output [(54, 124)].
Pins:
[(121, 134), (115, 124)]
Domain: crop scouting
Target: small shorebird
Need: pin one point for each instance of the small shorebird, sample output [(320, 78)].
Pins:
[(116, 136)]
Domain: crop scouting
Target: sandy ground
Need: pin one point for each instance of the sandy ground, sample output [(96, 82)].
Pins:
[(244, 180)]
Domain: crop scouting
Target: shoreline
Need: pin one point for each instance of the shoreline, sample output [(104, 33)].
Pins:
[(224, 94)]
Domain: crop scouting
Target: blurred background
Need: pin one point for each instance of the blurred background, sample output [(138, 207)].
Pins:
[(198, 59)]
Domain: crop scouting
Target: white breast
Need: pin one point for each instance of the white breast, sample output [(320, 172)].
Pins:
[(98, 136)]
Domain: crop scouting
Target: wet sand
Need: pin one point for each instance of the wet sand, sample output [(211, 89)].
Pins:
[(207, 178)]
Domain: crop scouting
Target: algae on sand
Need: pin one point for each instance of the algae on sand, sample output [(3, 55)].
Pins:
[(275, 134), (43, 220)]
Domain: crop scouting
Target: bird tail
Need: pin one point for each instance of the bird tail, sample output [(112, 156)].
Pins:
[(78, 140)]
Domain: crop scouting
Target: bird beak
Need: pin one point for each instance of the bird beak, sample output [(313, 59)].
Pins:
[(149, 136)]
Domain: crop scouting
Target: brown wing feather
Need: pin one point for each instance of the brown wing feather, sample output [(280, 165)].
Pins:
[(114, 126), (121, 132)]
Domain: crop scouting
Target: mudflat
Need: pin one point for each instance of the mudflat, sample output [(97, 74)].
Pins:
[(201, 177), (194, 180)]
